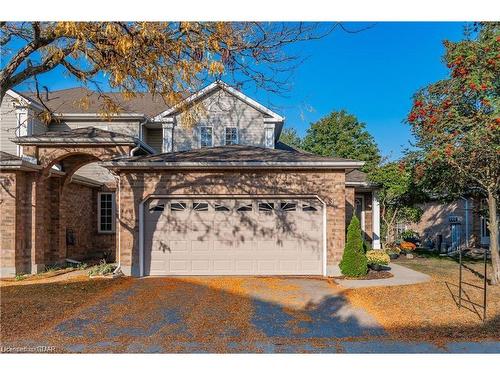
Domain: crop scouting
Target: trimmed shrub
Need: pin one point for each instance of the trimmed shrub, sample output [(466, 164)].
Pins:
[(377, 257), (353, 261)]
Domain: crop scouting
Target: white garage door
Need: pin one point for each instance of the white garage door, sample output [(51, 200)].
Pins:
[(233, 237)]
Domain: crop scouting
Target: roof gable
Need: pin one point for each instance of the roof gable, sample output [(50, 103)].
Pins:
[(217, 85)]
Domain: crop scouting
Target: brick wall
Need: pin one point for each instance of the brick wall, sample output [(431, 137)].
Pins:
[(137, 185), (8, 223), (368, 216)]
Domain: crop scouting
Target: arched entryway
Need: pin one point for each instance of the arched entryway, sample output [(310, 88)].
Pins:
[(60, 199)]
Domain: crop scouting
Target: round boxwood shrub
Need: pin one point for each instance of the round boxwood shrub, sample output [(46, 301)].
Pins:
[(354, 261)]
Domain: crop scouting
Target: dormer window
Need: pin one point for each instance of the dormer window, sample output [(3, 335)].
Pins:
[(206, 136), (231, 136)]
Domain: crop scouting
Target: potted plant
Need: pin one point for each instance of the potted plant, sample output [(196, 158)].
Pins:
[(393, 252), (407, 248), (377, 259)]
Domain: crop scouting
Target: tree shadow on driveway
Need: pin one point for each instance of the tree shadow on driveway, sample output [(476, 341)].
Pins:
[(173, 315)]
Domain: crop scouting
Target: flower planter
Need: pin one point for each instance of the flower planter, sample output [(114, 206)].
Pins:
[(393, 256)]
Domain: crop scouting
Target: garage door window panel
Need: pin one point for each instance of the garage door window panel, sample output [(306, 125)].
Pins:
[(178, 206), (288, 206), (200, 206), (220, 207), (266, 206), (245, 207)]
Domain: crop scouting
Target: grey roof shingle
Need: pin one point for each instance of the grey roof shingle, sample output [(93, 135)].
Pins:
[(86, 135), (234, 154), (356, 176), (69, 101), (5, 156)]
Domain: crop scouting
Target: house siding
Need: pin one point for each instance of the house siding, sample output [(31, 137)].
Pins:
[(8, 122), (220, 110), (154, 138)]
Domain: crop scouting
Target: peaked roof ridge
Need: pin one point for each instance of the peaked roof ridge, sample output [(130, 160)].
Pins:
[(219, 84)]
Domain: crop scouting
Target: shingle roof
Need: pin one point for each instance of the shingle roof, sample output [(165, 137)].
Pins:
[(68, 101), (80, 135), (235, 153), (356, 176), (5, 156)]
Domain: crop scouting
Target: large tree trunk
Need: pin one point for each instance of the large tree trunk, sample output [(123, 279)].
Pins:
[(493, 227)]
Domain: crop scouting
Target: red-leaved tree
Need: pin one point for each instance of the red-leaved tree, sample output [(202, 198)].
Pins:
[(456, 123)]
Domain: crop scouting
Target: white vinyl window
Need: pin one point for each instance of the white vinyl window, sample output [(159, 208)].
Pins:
[(106, 212), (206, 136), (231, 136)]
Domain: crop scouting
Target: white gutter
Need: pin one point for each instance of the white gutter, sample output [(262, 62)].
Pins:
[(80, 116), (65, 141), (231, 165)]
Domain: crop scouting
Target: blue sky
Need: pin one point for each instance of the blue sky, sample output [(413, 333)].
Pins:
[(371, 74)]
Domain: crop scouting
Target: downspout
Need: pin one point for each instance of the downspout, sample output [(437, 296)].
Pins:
[(137, 148), (118, 270)]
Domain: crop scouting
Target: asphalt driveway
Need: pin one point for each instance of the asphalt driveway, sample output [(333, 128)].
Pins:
[(221, 315), (212, 314)]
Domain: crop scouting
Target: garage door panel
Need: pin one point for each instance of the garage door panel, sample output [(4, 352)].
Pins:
[(201, 245), (202, 266), (289, 266), (222, 265), (256, 242)]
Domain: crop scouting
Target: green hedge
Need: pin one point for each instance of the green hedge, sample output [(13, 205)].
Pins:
[(354, 261)]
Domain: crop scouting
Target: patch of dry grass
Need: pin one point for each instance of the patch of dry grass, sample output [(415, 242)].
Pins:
[(429, 311)]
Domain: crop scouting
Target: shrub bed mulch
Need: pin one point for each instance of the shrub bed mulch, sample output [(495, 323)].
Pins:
[(429, 311)]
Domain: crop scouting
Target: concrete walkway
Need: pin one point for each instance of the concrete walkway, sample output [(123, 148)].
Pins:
[(402, 276)]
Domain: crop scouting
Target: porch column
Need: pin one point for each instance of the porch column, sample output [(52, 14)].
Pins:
[(376, 221)]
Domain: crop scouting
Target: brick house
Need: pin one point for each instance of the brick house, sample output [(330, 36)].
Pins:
[(444, 226), (163, 197)]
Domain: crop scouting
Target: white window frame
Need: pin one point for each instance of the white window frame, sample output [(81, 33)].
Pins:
[(113, 212), (199, 135), (237, 141)]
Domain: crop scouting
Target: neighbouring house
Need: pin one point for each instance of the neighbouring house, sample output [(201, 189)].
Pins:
[(162, 195), (445, 226)]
